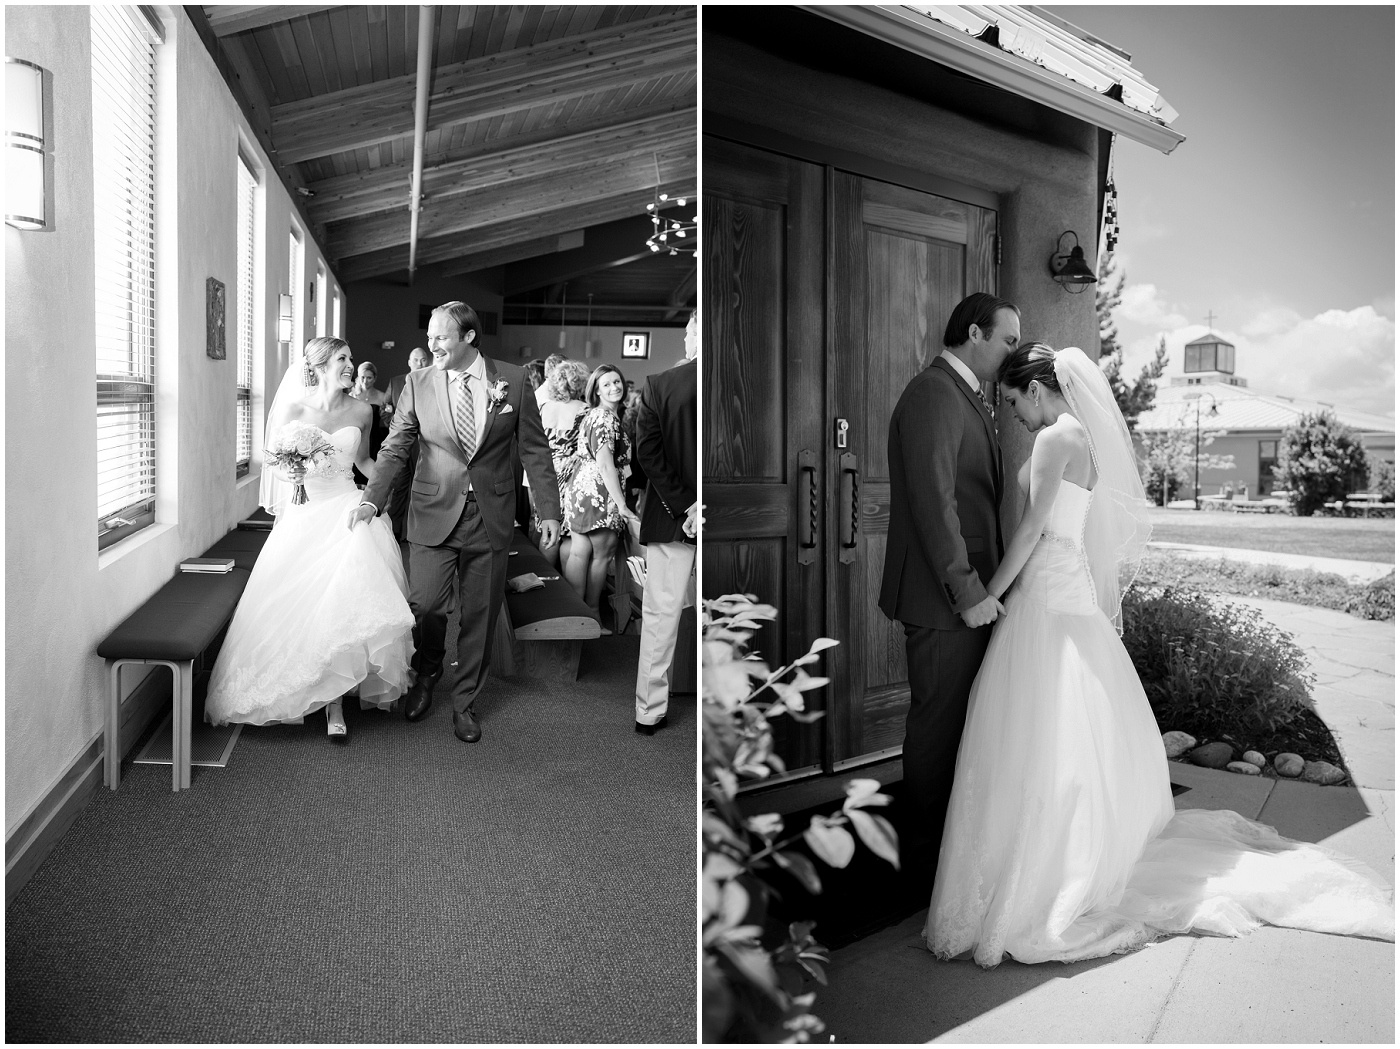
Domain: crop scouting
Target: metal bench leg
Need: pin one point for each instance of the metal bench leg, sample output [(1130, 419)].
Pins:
[(112, 742), (186, 702)]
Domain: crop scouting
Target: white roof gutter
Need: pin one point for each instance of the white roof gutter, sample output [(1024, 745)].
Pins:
[(420, 129), (954, 48)]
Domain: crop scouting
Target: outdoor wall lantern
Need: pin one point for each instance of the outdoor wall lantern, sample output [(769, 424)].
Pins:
[(284, 318), (26, 189), (1069, 270)]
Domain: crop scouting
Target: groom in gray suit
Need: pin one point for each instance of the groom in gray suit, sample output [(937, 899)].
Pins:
[(944, 544), (468, 414)]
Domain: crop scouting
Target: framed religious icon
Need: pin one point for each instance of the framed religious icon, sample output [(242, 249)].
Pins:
[(214, 319), (636, 344)]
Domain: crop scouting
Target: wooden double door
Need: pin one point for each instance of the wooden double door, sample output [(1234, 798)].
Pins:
[(825, 293)]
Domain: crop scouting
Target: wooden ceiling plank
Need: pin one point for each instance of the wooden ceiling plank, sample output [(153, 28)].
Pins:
[(379, 44), (580, 140), (444, 248), (310, 54), (228, 19), (515, 23), (395, 51), (356, 117), (262, 49), (520, 198), (500, 22), (549, 21)]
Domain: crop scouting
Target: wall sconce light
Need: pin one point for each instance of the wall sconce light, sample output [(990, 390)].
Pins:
[(26, 189), (284, 318), (1069, 269)]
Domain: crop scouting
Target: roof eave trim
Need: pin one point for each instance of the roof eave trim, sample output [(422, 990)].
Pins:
[(951, 47)]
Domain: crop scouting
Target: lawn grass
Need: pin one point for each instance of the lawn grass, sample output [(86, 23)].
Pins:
[(1300, 586), (1351, 538)]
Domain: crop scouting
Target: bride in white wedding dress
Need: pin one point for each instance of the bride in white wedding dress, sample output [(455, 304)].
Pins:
[(1061, 840), (325, 610)]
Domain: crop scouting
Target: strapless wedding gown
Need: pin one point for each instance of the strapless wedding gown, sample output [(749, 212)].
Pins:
[(1061, 840), (325, 610)]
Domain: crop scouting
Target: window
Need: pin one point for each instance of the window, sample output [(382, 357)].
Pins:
[(294, 289), (247, 192), (336, 329), (1268, 459), (320, 299), (124, 134)]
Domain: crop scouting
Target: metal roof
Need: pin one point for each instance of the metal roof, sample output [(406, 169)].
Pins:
[(1240, 408), (1028, 52), (1210, 339)]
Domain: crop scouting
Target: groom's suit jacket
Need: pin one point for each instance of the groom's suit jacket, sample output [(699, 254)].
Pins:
[(945, 488), (424, 414)]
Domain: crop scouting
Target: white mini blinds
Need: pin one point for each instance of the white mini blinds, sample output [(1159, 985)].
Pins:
[(123, 103)]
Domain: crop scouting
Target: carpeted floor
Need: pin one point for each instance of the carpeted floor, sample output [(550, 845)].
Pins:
[(536, 886)]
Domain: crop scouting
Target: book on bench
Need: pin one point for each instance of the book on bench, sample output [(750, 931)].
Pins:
[(207, 565)]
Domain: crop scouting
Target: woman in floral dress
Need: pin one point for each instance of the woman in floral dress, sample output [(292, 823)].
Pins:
[(594, 507)]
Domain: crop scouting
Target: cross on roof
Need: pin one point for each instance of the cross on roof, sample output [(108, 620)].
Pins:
[(1210, 319)]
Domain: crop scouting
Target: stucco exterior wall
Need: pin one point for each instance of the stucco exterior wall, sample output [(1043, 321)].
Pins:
[(62, 597), (1044, 186)]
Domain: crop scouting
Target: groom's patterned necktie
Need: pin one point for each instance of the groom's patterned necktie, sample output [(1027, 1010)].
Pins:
[(464, 413), (990, 411)]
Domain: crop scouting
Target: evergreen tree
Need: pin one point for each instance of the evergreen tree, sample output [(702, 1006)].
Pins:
[(1320, 461), (1138, 397)]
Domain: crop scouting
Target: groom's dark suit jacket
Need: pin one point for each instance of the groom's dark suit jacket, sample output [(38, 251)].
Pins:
[(440, 478), (945, 487)]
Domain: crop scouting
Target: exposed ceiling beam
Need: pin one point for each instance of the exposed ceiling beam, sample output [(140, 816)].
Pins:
[(227, 19), (684, 293), (515, 199), (449, 248), (485, 260), (613, 244), (365, 193), (494, 85)]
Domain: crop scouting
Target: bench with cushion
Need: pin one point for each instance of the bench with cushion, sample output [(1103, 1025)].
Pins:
[(173, 629), (540, 633)]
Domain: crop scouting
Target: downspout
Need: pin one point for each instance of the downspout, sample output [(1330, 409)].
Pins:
[(420, 129)]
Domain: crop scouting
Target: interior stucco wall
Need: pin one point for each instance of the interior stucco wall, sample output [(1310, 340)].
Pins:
[(667, 347), (62, 598)]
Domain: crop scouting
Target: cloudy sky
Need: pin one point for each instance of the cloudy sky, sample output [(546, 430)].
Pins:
[(1278, 211)]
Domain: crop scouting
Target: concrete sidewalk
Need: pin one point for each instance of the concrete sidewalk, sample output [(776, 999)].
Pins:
[(1355, 571), (1275, 985)]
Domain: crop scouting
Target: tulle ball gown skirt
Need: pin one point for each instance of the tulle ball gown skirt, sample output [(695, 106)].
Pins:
[(325, 610), (1061, 840)]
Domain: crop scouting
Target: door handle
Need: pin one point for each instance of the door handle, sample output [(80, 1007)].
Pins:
[(808, 506), (849, 506)]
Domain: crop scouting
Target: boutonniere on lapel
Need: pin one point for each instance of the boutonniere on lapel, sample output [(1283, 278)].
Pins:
[(496, 393)]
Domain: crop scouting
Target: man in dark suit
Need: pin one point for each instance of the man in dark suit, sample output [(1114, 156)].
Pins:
[(468, 414), (418, 359), (666, 446), (944, 544)]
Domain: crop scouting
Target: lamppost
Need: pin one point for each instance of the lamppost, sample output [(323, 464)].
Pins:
[(1214, 410)]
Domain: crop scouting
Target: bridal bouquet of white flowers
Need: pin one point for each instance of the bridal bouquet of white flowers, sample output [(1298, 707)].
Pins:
[(298, 444)]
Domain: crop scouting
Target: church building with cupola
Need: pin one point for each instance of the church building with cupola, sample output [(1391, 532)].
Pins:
[(1249, 422)]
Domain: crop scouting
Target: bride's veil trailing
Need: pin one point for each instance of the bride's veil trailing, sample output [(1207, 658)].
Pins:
[(274, 491), (1118, 526)]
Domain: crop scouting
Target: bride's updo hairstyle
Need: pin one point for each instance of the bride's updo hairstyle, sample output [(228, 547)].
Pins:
[(319, 351), (1031, 361)]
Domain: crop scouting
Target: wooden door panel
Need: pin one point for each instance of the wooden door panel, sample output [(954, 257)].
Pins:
[(762, 368), (902, 260)]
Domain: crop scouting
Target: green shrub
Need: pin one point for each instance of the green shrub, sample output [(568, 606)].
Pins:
[(1319, 461), (1376, 601), (1212, 668), (1380, 477)]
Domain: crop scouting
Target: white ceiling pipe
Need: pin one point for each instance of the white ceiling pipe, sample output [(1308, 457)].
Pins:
[(420, 129)]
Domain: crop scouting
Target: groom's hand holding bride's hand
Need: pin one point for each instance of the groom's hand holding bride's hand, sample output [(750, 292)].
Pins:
[(363, 512), (988, 610)]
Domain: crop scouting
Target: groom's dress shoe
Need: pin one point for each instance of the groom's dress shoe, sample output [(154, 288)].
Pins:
[(650, 730), (465, 726), (419, 698)]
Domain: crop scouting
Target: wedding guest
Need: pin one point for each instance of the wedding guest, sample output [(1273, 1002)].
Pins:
[(418, 359), (666, 435), (534, 374), (634, 488), (550, 363), (364, 390), (593, 503), (560, 414)]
